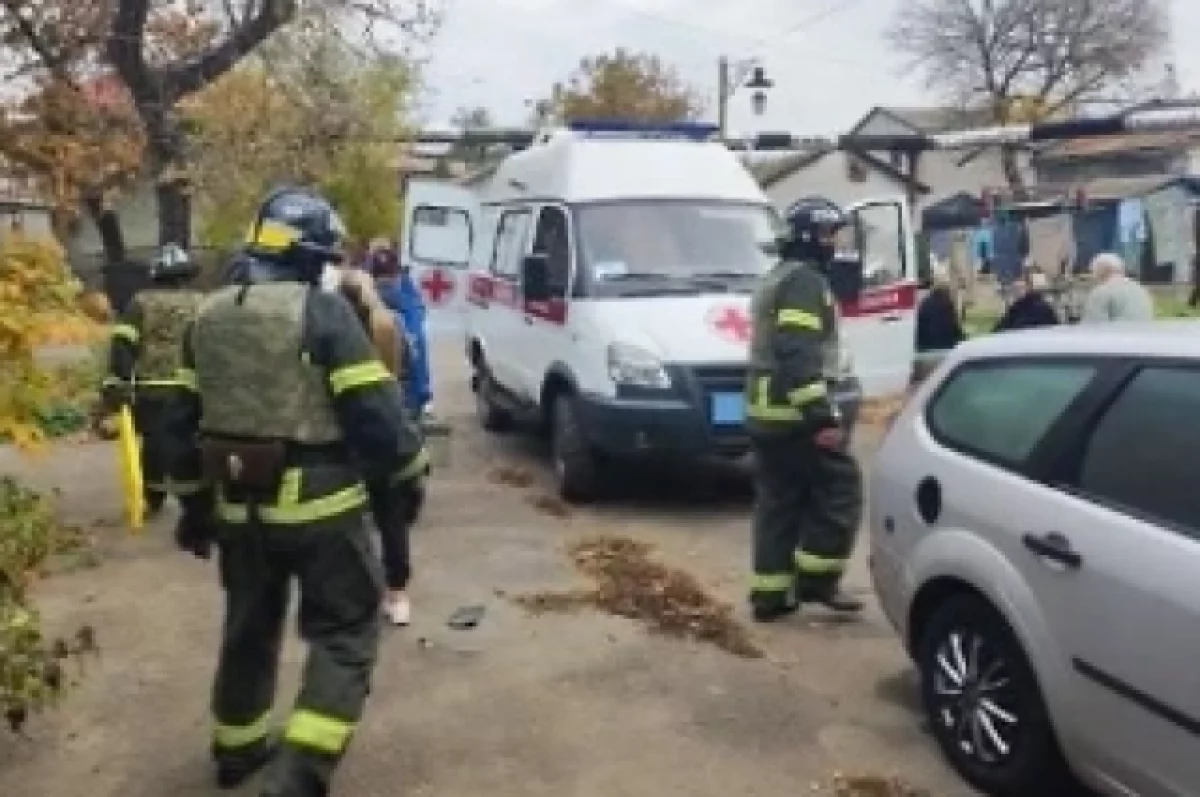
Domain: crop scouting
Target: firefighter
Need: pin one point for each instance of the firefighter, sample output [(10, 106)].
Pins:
[(292, 414), (809, 493), (144, 360)]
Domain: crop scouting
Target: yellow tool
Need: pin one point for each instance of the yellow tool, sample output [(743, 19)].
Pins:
[(129, 462)]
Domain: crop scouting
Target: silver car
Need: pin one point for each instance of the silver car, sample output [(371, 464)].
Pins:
[(1035, 540)]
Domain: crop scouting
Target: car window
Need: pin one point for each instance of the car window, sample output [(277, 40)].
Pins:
[(1001, 411), (511, 234), (1144, 454), (552, 239)]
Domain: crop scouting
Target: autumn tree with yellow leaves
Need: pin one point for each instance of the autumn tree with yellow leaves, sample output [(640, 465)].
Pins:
[(624, 85), (311, 111)]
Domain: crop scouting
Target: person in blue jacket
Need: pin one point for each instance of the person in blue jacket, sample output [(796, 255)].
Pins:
[(402, 296)]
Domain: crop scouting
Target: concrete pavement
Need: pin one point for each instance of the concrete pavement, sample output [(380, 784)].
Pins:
[(581, 705)]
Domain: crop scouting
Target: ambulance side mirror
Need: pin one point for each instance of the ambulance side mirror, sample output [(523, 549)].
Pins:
[(535, 278)]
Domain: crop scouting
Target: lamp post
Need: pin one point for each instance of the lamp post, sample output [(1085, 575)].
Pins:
[(733, 75)]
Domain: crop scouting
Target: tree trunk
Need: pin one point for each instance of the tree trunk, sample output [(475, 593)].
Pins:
[(108, 227), (1012, 171), (117, 278), (174, 213)]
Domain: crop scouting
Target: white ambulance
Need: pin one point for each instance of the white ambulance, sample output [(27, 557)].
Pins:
[(610, 277)]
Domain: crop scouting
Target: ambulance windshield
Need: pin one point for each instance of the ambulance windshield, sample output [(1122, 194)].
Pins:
[(675, 240)]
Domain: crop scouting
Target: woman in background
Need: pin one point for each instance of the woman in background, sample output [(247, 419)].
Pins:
[(390, 518), (399, 292)]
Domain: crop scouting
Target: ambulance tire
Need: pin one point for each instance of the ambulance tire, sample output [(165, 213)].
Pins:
[(579, 469), (492, 416)]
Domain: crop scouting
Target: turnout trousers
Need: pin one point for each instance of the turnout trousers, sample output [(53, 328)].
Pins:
[(340, 583), (807, 509), (149, 407)]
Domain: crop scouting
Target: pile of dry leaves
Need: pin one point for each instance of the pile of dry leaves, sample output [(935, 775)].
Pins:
[(630, 583)]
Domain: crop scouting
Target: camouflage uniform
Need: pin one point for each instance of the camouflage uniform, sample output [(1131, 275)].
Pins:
[(144, 361), (284, 367), (809, 497)]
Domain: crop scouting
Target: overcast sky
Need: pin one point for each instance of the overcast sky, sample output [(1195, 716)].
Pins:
[(828, 58)]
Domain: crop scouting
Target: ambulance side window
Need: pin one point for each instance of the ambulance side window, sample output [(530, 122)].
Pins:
[(511, 234), (553, 240)]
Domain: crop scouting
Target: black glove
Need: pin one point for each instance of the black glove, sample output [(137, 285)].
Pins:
[(116, 394), (195, 533)]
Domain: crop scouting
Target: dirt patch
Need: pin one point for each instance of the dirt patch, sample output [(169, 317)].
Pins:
[(630, 583), (874, 786), (511, 476)]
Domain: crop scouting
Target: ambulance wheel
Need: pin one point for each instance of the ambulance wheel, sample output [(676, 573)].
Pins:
[(578, 467), (492, 417)]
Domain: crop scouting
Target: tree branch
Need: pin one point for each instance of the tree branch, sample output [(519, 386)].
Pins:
[(190, 76), (41, 48)]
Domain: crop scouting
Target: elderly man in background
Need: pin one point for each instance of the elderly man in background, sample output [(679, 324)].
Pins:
[(1115, 296)]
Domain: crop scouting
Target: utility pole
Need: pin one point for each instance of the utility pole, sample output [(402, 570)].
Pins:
[(733, 76), (723, 94)]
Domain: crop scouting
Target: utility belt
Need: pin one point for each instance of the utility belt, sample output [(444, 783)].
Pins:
[(280, 482)]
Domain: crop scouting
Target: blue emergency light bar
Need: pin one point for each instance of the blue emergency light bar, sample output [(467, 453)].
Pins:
[(616, 128)]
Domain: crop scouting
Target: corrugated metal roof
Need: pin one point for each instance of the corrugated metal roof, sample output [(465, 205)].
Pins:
[(940, 120), (1105, 188), (1115, 145)]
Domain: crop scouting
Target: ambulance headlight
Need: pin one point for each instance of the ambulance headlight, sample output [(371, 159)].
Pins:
[(635, 367)]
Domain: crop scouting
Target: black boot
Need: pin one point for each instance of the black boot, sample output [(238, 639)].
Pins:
[(769, 609), (235, 768), (833, 599)]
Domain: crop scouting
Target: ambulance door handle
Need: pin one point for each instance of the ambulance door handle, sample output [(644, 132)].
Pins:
[(891, 319), (528, 320)]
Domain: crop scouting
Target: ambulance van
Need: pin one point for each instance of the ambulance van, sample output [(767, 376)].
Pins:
[(608, 288)]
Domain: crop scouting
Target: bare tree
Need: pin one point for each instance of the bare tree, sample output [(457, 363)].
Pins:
[(1027, 60)]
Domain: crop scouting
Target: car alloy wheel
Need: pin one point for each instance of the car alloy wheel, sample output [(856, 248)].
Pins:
[(974, 698), (984, 704)]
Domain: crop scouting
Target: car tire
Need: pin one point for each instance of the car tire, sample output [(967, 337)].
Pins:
[(578, 467), (492, 417), (968, 648)]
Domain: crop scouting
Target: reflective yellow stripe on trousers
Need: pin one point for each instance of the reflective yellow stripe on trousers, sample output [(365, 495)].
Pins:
[(813, 565), (318, 732), (772, 582), (234, 736), (289, 510)]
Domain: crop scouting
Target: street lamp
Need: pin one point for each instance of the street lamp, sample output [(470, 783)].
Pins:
[(760, 83), (732, 76)]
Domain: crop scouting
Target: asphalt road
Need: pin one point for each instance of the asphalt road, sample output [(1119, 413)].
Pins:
[(582, 705)]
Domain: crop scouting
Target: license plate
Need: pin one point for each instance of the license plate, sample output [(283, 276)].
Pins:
[(728, 409)]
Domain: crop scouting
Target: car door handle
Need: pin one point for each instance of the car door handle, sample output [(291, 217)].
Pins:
[(1055, 547)]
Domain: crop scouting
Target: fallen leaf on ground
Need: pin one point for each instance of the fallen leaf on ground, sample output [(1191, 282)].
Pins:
[(512, 476), (549, 505), (874, 786), (631, 584)]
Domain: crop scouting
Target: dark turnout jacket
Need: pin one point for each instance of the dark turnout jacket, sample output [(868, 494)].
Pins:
[(938, 327), (1031, 310)]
